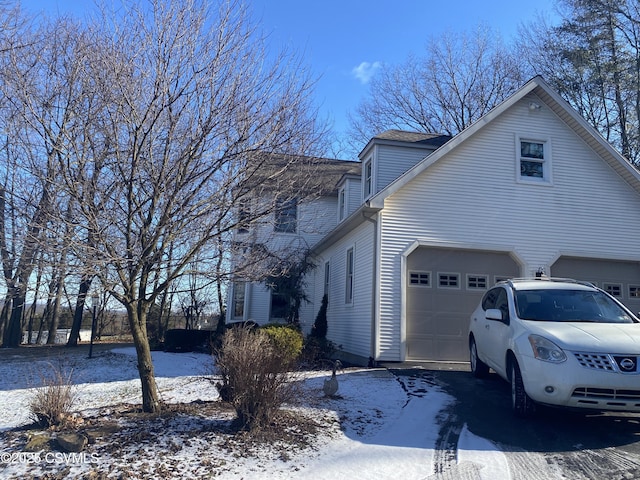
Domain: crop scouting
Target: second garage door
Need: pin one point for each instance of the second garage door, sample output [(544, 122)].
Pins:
[(621, 279), (444, 285)]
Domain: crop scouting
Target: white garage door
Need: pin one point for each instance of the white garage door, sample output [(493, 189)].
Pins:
[(443, 287), (620, 279)]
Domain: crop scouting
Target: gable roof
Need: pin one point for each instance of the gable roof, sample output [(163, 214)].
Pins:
[(555, 103), (412, 139), (431, 139), (311, 174)]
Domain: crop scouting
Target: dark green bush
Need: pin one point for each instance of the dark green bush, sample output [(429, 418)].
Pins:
[(319, 329)]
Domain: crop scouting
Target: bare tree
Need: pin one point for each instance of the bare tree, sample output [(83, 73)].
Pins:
[(190, 99), (39, 87), (592, 58), (459, 78)]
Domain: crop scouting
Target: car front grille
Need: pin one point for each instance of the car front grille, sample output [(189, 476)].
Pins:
[(625, 364), (596, 361), (607, 394)]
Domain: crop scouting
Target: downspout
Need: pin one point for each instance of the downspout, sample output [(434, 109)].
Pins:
[(374, 290)]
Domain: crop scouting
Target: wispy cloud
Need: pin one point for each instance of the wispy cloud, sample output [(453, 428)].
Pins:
[(365, 71)]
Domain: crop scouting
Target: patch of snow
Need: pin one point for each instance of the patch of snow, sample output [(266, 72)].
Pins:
[(487, 457), (372, 428)]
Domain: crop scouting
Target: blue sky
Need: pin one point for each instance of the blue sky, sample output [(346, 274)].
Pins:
[(345, 41)]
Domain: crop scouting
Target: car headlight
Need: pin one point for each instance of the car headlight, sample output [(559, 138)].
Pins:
[(546, 350)]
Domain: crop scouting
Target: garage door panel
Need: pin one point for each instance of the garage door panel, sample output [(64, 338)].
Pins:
[(622, 276), (437, 315)]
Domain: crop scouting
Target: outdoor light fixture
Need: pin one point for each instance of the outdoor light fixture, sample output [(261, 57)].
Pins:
[(534, 107)]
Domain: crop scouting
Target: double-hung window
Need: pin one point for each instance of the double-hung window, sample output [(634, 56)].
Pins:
[(348, 297), (368, 178), (286, 216), (534, 160), (327, 272), (238, 300)]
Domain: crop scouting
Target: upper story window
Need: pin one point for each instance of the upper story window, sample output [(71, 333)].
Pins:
[(342, 204), (286, 216), (534, 160), (368, 178), (244, 214)]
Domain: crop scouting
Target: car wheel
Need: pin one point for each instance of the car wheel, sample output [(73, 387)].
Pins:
[(521, 403), (478, 367)]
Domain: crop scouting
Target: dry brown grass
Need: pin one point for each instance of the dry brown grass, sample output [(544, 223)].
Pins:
[(52, 402)]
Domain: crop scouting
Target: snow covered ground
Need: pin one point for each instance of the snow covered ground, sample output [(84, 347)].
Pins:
[(377, 426)]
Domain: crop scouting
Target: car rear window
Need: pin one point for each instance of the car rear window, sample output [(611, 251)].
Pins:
[(560, 305)]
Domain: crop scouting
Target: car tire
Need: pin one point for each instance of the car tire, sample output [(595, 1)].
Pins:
[(521, 403), (478, 367)]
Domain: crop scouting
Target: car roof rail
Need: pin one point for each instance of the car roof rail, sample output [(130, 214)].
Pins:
[(511, 281)]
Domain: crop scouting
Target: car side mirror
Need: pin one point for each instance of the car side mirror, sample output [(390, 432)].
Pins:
[(494, 314)]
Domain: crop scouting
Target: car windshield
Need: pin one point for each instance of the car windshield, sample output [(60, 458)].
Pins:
[(560, 305)]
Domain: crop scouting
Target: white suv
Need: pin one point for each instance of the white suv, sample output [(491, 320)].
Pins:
[(558, 342)]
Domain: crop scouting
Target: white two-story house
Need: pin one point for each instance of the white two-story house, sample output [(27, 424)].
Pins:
[(430, 222), (291, 228)]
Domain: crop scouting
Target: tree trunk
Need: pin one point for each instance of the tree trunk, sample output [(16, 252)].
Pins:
[(78, 313), (137, 322), (13, 336), (4, 316), (55, 316)]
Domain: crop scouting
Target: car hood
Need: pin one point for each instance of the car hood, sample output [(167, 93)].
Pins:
[(596, 337)]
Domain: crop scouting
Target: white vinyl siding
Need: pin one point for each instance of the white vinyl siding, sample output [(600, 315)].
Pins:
[(349, 325), (394, 161)]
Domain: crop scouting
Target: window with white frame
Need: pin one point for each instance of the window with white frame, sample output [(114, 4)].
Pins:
[(244, 214), (348, 297), (449, 280), (477, 282), (342, 204), (327, 271), (238, 299), (534, 160), (613, 289), (280, 306), (286, 216), (634, 291), (368, 178), (419, 279)]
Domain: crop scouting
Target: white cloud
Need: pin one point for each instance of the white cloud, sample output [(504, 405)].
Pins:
[(365, 71)]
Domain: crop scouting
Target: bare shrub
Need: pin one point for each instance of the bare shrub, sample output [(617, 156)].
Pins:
[(255, 377), (53, 400)]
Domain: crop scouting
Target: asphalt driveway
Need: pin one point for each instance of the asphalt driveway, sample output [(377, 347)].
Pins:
[(553, 444)]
